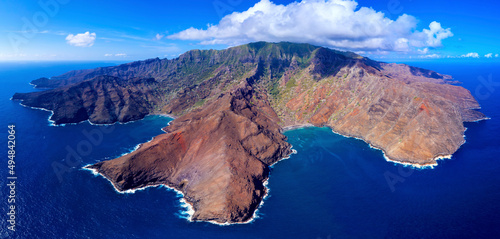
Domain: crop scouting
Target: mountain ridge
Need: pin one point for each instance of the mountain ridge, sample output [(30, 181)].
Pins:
[(245, 96)]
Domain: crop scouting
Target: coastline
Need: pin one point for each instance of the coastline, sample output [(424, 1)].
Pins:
[(254, 215), (53, 124), (138, 146), (118, 122), (284, 158), (189, 210), (479, 120), (297, 126), (188, 207), (266, 195), (283, 129), (165, 115), (409, 164), (412, 165)]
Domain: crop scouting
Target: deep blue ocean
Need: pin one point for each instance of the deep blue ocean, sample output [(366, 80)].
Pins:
[(334, 187)]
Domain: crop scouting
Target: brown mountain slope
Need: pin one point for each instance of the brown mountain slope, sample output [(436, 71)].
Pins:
[(217, 157), (413, 119), (103, 99)]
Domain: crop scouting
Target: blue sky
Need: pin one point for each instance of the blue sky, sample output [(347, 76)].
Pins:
[(127, 30)]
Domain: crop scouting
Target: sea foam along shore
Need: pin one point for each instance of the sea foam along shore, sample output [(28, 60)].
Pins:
[(413, 165), (138, 146), (284, 158), (188, 208), (297, 126), (53, 123), (168, 116), (266, 195)]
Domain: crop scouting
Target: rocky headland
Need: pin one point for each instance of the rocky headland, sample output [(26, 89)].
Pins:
[(232, 105)]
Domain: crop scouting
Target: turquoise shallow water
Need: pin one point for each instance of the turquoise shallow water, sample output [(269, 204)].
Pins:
[(334, 187)]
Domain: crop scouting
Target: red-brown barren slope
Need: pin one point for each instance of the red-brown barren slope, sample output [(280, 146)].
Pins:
[(413, 115), (218, 157)]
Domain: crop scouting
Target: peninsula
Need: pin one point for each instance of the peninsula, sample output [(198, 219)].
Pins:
[(232, 105)]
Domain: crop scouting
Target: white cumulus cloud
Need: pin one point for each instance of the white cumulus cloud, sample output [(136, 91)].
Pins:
[(431, 56), (489, 55), (496, 55), (334, 23), (435, 34), (158, 37), (423, 51), (118, 55), (86, 39), (471, 55)]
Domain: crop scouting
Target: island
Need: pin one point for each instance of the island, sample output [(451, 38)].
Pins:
[(231, 107)]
